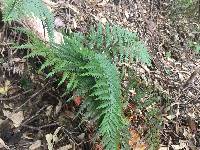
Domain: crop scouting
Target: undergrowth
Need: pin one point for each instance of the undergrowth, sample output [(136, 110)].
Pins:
[(93, 66), (145, 99)]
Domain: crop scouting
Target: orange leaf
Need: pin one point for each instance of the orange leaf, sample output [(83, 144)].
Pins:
[(135, 142), (135, 137), (77, 100)]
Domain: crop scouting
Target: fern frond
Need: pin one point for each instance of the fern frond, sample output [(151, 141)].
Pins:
[(118, 43), (92, 75), (19, 9), (108, 100)]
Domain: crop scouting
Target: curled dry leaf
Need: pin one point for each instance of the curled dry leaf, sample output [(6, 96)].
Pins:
[(49, 138), (52, 139), (49, 110), (58, 107)]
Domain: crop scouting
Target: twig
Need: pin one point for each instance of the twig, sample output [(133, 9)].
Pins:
[(36, 114), (191, 78), (15, 96), (41, 127)]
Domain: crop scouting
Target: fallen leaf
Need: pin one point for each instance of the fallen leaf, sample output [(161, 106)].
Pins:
[(139, 146), (1, 121), (55, 135), (77, 100), (135, 137), (7, 113), (171, 117), (49, 110), (103, 20), (17, 118), (163, 148), (35, 145), (74, 23), (69, 114), (81, 136), (66, 147), (52, 138), (49, 138), (58, 107), (3, 145), (135, 143), (98, 147), (58, 22), (133, 93), (5, 88), (27, 136)]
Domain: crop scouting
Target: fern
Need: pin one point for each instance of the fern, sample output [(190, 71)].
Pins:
[(93, 75), (118, 43), (18, 9)]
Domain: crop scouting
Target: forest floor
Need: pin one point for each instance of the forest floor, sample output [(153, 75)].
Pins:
[(34, 115)]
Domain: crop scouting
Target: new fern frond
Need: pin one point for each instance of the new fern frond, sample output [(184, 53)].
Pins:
[(19, 9)]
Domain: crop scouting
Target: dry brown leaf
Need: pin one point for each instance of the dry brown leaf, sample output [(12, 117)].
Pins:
[(135, 137), (74, 23), (49, 110), (66, 147), (1, 121), (52, 138), (58, 107), (183, 145), (3, 145), (16, 118), (134, 142), (58, 22), (69, 114), (163, 148), (27, 136), (141, 146), (35, 145), (81, 136)]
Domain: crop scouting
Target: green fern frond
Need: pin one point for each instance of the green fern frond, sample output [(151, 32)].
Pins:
[(108, 100), (19, 9), (118, 43)]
